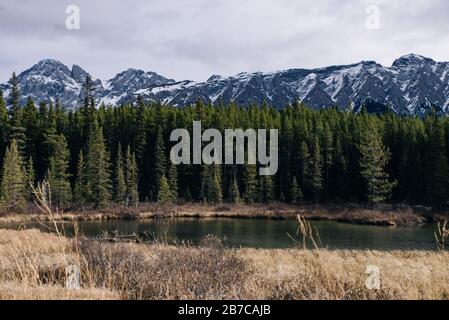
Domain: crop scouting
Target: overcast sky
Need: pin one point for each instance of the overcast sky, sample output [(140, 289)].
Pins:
[(193, 39)]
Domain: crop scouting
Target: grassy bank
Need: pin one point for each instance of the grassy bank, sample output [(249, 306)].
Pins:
[(349, 213), (32, 266)]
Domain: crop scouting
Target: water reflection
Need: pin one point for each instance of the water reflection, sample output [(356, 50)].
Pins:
[(261, 233)]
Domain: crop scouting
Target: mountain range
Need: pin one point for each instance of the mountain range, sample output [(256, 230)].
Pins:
[(412, 85)]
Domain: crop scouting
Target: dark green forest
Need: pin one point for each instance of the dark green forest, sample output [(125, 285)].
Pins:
[(96, 155)]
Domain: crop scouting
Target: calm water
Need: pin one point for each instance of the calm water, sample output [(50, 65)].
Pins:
[(261, 233)]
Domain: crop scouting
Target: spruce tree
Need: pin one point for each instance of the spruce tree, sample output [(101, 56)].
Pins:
[(211, 190), (374, 157), (4, 127), (295, 192), (234, 193), (14, 96), (173, 180), (328, 150), (303, 164), (29, 119), (141, 132), (87, 109), (13, 185), (81, 191), (266, 189), (437, 167), (164, 194), (132, 195), (315, 174), (250, 183), (119, 178), (30, 179), (160, 165), (217, 193), (57, 175), (17, 131), (98, 173)]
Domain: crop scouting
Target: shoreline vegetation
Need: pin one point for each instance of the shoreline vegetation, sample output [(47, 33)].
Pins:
[(33, 265), (348, 213)]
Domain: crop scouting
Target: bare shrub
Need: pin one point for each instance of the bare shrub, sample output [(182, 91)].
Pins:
[(210, 271)]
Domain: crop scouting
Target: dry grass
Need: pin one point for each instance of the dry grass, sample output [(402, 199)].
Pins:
[(322, 274), (32, 266), (17, 291)]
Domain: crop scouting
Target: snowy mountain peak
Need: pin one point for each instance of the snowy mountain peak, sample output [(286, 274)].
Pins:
[(411, 60), (78, 73), (412, 85)]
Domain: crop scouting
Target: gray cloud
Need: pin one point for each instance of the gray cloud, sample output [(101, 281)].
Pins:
[(196, 38)]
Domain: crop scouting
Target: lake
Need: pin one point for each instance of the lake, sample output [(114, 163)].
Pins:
[(264, 233)]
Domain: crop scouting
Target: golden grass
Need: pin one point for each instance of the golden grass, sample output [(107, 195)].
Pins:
[(32, 266), (323, 274), (17, 291)]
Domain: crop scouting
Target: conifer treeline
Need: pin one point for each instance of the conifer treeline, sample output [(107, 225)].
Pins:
[(93, 156)]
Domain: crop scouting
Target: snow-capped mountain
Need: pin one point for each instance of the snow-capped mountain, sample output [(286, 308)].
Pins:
[(412, 85)]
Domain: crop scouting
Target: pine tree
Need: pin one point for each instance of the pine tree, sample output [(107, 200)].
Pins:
[(250, 183), (234, 193), (173, 181), (211, 184), (266, 189), (4, 127), (30, 179), (295, 191), (98, 173), (315, 178), (374, 157), (17, 131), (60, 118), (205, 183), (14, 97), (437, 167), (141, 148), (81, 191), (87, 109), (57, 175), (303, 163), (164, 194), (29, 118), (141, 132), (328, 150), (13, 185), (160, 164), (132, 195), (217, 193), (119, 178)]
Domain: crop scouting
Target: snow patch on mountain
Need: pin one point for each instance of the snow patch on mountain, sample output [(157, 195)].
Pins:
[(413, 84)]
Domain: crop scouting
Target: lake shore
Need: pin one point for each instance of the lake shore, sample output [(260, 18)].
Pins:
[(354, 214), (33, 264)]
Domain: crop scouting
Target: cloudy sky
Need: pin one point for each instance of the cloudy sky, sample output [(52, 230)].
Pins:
[(193, 39)]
